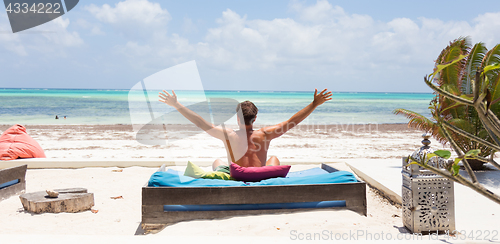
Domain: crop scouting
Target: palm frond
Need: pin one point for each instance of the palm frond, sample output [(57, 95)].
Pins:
[(474, 60), (445, 102), (452, 73), (452, 51), (462, 124), (491, 57), (462, 42), (422, 123)]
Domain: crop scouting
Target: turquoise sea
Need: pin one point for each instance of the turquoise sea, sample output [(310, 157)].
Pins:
[(88, 106)]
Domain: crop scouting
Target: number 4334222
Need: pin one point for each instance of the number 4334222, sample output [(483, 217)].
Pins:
[(35, 8)]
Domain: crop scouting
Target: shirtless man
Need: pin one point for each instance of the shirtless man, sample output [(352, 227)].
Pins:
[(246, 147)]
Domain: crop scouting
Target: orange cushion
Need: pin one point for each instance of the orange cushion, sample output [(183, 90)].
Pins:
[(16, 143)]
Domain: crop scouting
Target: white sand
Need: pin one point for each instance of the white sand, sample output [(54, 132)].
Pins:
[(121, 217), (332, 143)]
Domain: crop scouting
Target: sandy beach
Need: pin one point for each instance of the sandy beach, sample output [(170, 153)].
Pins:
[(305, 142), (116, 218)]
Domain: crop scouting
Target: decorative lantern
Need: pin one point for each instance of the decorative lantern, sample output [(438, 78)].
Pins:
[(428, 198)]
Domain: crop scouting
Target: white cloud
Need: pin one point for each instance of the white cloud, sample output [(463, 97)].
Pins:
[(249, 44), (51, 37), (487, 28), (59, 34), (96, 31), (133, 18), (9, 41), (158, 52), (323, 41), (188, 26), (94, 28), (403, 25), (320, 12), (131, 10)]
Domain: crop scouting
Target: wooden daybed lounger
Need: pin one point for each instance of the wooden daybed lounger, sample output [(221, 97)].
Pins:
[(155, 198), (12, 181)]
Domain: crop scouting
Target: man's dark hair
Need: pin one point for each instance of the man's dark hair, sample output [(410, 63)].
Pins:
[(249, 111)]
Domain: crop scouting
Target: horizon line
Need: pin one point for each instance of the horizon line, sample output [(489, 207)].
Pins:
[(118, 89)]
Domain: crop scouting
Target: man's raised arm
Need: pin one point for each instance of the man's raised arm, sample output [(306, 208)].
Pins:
[(196, 119), (281, 128)]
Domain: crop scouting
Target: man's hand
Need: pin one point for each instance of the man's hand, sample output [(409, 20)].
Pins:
[(168, 99), (281, 128), (322, 97)]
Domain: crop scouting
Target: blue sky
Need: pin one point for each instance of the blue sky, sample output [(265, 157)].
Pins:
[(364, 46)]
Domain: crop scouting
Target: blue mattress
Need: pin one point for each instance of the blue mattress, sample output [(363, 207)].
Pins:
[(174, 178), (307, 172)]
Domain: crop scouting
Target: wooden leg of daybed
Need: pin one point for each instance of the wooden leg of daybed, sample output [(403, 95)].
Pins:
[(14, 173), (152, 228), (357, 200), (153, 219)]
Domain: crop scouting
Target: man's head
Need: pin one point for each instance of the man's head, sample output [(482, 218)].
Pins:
[(249, 111)]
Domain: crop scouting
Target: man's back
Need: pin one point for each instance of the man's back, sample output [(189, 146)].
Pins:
[(256, 143)]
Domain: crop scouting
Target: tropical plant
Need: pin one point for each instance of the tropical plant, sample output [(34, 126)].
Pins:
[(461, 61), (484, 85)]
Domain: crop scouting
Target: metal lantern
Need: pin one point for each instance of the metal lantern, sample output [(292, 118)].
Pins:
[(428, 198)]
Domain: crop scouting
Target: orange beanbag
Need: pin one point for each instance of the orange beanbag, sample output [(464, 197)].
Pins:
[(16, 143)]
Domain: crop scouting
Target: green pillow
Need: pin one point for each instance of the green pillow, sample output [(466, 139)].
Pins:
[(194, 171)]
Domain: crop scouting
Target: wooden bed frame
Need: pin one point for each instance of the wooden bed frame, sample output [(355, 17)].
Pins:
[(10, 174), (154, 198)]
